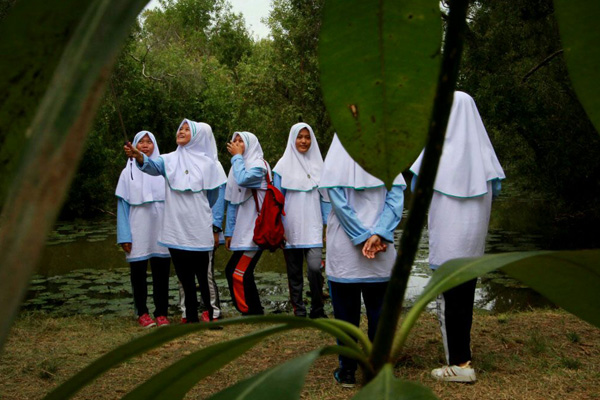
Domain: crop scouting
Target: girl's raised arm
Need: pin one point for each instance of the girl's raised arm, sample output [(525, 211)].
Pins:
[(132, 152)]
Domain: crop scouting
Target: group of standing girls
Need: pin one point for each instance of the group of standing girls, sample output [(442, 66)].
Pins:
[(184, 220)]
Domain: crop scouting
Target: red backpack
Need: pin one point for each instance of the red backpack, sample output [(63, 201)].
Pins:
[(268, 228)]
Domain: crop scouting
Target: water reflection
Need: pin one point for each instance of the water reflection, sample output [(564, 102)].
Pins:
[(83, 270)]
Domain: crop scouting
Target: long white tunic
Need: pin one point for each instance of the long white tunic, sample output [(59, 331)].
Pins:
[(303, 222), (458, 226), (345, 262)]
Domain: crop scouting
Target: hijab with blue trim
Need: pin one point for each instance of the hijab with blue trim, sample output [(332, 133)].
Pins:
[(340, 170), (468, 159), (136, 187), (300, 171), (195, 166), (253, 158)]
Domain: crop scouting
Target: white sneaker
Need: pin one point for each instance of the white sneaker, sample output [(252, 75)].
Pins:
[(454, 373)]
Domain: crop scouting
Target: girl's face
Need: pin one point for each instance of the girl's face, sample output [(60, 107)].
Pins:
[(238, 139), (303, 141), (145, 145), (184, 135)]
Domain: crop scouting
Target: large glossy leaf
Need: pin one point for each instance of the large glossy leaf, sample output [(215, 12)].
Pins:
[(449, 275), (34, 35), (580, 35), (282, 382), (385, 386), (57, 130), (568, 278), (176, 380), (379, 63)]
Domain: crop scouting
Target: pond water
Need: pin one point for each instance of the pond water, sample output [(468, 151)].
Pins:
[(83, 270)]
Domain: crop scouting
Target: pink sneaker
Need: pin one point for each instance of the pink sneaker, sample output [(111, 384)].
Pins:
[(162, 321), (146, 321)]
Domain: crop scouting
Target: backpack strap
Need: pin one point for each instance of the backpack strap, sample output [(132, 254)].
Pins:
[(255, 200), (269, 182), (268, 176)]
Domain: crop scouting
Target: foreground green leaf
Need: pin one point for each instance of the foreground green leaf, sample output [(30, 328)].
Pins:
[(163, 335), (58, 130), (449, 275), (283, 382), (176, 380), (579, 33), (34, 36), (385, 386), (379, 63), (570, 279)]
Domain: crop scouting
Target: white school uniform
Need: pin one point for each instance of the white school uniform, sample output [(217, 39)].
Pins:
[(461, 204), (300, 175), (190, 171), (145, 195), (246, 214), (366, 196)]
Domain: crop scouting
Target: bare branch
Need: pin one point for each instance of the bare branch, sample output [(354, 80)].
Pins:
[(540, 65)]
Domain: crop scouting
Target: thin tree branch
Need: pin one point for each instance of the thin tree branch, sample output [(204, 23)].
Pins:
[(144, 69), (394, 296), (540, 65)]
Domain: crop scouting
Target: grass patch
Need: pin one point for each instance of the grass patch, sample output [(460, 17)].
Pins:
[(531, 356), (573, 337), (570, 363), (536, 343)]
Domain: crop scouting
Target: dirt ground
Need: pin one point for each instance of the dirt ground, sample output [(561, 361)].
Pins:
[(528, 355)]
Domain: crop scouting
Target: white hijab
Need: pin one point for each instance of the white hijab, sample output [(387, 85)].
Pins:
[(136, 187), (340, 170), (300, 171), (468, 159), (195, 166), (253, 157)]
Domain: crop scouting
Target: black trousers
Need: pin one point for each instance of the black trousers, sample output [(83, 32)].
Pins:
[(455, 313), (160, 268), (345, 298), (240, 277), (190, 265), (294, 260)]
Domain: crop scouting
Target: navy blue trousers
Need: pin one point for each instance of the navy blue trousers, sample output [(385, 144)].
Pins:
[(345, 298)]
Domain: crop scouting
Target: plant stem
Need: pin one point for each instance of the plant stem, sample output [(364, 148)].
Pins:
[(394, 296)]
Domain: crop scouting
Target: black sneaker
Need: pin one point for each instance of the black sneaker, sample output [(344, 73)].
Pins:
[(345, 378), (318, 315)]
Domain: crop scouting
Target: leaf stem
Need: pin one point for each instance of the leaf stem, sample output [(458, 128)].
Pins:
[(394, 296)]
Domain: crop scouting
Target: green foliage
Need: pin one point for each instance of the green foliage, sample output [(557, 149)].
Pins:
[(170, 57), (279, 81), (282, 382), (26, 71), (58, 124), (581, 51), (568, 278), (540, 132), (196, 59), (194, 367), (184, 374), (379, 85), (5, 6), (386, 386)]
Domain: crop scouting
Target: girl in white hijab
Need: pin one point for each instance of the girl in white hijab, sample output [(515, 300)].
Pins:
[(468, 176), (360, 242), (193, 178), (244, 195), (297, 175), (140, 208)]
